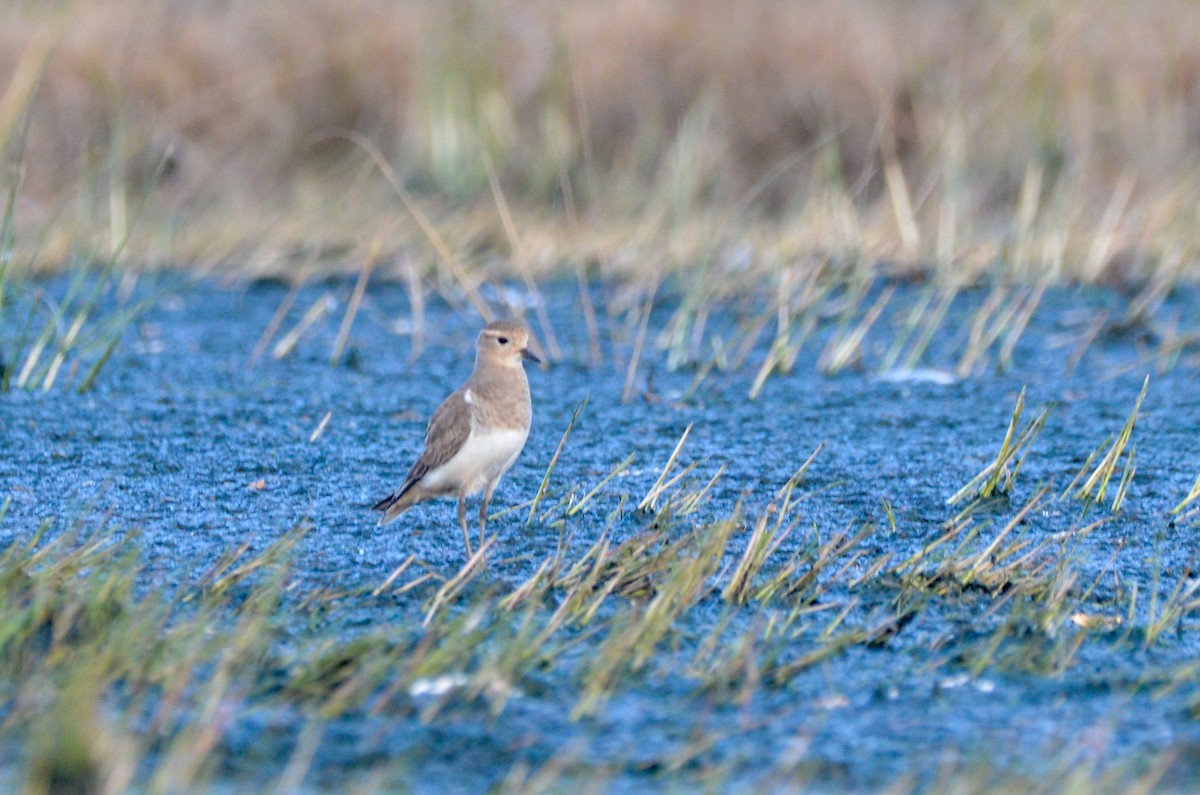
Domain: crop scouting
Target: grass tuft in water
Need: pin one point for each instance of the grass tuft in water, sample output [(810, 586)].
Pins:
[(1095, 487), (997, 478)]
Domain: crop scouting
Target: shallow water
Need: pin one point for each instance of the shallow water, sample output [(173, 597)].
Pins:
[(179, 426)]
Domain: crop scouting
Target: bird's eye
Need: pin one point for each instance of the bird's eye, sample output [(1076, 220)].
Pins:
[(502, 340)]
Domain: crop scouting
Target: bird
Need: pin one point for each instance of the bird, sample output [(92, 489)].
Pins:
[(477, 433)]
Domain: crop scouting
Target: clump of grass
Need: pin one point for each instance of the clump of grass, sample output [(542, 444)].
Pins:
[(997, 566), (1095, 487), (803, 577), (80, 330), (633, 638), (89, 654), (76, 337), (765, 540), (998, 476), (1169, 611)]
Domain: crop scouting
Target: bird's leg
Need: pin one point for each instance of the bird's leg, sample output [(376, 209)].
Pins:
[(487, 499), (483, 517), (462, 521)]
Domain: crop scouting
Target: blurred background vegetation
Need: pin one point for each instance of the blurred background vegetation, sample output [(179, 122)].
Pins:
[(1021, 140)]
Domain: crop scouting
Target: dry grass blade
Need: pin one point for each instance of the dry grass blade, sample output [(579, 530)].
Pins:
[(765, 540), (521, 261), (986, 556), (954, 530), (589, 317), (223, 579), (319, 309), (25, 79), (1020, 322), (845, 350), (636, 356), (687, 502), (1026, 213), (416, 303), (1192, 495), (301, 759), (391, 578), (540, 579), (649, 502), (1166, 276), (617, 470), (541, 492), (276, 321), (923, 319), (89, 378), (417, 581), (800, 579), (320, 429), (1126, 478), (553, 775), (1004, 315), (979, 338), (470, 289), (1096, 485), (900, 196), (834, 640), (762, 545), (454, 586), (360, 287), (797, 306), (1105, 238)]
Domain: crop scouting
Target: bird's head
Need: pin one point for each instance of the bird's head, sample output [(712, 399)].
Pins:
[(505, 342)]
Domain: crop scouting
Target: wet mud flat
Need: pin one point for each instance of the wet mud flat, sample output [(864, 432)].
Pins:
[(753, 623)]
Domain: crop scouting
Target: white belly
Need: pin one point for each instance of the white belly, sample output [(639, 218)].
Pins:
[(482, 460)]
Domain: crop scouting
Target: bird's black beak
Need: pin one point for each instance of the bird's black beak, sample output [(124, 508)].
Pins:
[(528, 354)]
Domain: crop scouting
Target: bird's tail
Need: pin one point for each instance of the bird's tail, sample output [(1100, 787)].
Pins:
[(397, 503)]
